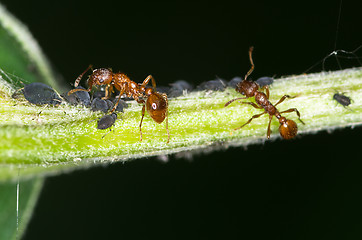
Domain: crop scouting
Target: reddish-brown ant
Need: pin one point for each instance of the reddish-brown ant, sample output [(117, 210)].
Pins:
[(156, 103), (288, 128)]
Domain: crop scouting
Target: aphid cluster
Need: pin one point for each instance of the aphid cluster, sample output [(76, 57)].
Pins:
[(154, 102), (288, 128)]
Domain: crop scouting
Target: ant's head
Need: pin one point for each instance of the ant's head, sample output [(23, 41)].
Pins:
[(247, 88), (157, 106), (101, 76), (288, 128)]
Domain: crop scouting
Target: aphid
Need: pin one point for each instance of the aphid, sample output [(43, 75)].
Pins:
[(99, 105), (264, 81), (156, 103), (121, 105), (79, 98), (106, 121), (234, 81), (288, 128), (178, 88), (39, 93), (214, 85), (342, 99)]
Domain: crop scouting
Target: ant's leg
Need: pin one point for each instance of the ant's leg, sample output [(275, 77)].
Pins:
[(143, 114), (293, 110), (76, 83), (252, 104), (266, 91), (168, 132), (80, 89), (269, 131), (282, 99), (119, 98), (109, 89), (232, 100), (147, 80), (255, 116)]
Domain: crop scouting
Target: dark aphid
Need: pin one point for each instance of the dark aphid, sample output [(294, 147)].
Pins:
[(264, 81), (233, 82), (163, 89), (288, 128), (177, 88), (110, 104), (342, 99), (99, 94), (214, 85), (40, 94), (121, 105), (106, 121), (99, 105), (182, 85), (79, 98)]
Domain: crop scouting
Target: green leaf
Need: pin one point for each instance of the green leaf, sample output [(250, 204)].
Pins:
[(20, 55), (17, 201), (21, 61)]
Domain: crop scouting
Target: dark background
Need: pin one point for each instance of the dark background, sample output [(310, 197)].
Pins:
[(307, 188), (191, 40)]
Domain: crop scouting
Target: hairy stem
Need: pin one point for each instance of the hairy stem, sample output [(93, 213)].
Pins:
[(65, 137)]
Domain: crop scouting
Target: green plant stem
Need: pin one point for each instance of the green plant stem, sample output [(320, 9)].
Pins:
[(65, 137)]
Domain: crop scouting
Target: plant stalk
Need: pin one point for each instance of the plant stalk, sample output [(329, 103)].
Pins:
[(66, 137)]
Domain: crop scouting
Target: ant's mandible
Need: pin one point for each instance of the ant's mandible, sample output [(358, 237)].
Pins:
[(288, 128), (156, 103)]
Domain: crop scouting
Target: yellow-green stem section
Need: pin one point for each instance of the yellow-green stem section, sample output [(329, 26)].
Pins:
[(66, 136)]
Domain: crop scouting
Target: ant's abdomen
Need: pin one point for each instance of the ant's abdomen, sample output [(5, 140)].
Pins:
[(156, 106), (288, 129)]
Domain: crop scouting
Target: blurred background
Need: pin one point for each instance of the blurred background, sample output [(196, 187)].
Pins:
[(308, 188), (190, 40)]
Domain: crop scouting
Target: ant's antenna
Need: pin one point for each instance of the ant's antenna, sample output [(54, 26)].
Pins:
[(76, 83), (251, 61)]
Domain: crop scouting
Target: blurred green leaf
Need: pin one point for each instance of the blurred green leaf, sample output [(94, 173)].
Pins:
[(20, 55), (21, 61), (17, 201)]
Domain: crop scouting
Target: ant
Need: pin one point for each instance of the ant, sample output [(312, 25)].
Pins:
[(288, 128), (156, 103)]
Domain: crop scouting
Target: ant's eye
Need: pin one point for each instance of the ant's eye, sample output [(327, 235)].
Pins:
[(154, 106)]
